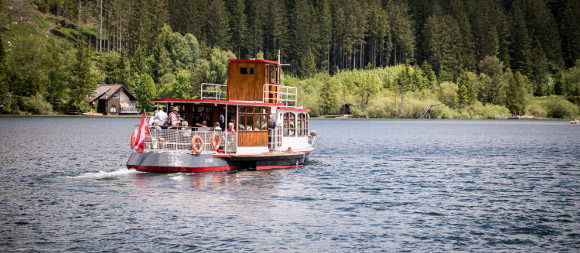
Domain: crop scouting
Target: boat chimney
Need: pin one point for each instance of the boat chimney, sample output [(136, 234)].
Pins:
[(279, 56)]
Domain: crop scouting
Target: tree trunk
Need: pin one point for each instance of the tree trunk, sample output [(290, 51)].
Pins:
[(79, 25), (101, 29)]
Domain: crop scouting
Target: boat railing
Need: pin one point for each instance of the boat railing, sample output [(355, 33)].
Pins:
[(275, 93), (214, 91), (275, 139), (179, 139)]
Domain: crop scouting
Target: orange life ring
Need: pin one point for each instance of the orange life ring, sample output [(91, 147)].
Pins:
[(133, 139), (215, 144), (194, 140)]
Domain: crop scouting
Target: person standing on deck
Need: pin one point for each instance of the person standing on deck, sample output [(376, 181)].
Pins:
[(153, 118), (271, 127), (173, 116), (161, 116)]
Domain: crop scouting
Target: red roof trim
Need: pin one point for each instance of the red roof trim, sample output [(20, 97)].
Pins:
[(207, 101), (248, 60), (294, 109)]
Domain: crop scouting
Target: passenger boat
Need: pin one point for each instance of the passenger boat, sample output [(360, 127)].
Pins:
[(574, 122), (252, 94)]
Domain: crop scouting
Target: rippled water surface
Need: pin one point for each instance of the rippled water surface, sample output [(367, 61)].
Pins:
[(371, 185)]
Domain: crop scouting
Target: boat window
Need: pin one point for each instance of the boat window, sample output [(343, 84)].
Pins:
[(253, 118), (302, 125), (247, 71), (289, 124), (272, 73)]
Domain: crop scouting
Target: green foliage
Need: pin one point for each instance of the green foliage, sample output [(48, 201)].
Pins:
[(571, 83), (181, 87), (4, 89), (558, 107), (84, 81), (36, 104), (329, 96), (214, 69), (27, 66), (516, 95), (145, 90), (115, 68)]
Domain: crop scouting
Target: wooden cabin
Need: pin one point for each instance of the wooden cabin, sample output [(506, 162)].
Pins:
[(249, 79), (113, 99)]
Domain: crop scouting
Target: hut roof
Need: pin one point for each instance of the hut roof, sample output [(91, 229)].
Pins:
[(106, 91)]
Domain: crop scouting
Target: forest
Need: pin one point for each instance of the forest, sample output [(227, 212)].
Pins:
[(383, 58)]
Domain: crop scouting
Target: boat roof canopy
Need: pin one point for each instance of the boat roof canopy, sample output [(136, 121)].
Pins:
[(250, 60), (209, 101)]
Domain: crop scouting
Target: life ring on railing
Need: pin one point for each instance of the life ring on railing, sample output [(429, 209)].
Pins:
[(133, 139), (194, 140), (215, 141)]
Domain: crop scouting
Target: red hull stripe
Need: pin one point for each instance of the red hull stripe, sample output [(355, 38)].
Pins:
[(276, 167), (222, 155), (182, 169), (309, 151)]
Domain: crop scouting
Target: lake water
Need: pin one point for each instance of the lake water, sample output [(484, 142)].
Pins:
[(371, 185)]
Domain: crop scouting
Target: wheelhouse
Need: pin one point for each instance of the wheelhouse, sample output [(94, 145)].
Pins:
[(252, 94)]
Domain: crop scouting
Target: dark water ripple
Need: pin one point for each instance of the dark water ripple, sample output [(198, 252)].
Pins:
[(372, 185)]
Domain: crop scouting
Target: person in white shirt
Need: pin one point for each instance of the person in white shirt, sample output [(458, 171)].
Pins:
[(161, 116), (152, 119)]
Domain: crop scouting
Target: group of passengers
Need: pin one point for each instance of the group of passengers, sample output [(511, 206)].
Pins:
[(161, 119)]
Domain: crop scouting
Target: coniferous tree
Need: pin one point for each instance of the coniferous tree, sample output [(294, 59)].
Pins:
[(570, 32), (516, 95), (325, 35), (403, 36), (466, 47), (3, 74), (218, 25), (521, 42), (239, 26), (442, 35), (84, 83)]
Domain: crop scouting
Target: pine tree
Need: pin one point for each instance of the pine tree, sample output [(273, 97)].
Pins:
[(329, 95), (3, 74), (403, 36), (570, 32), (239, 26), (218, 24), (516, 95), (521, 42), (84, 79), (442, 34), (463, 92), (325, 37), (466, 47)]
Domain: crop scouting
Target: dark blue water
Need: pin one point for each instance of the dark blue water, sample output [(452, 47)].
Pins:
[(372, 185)]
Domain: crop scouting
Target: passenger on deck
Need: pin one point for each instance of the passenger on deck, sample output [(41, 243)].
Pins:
[(173, 116), (216, 126), (152, 119), (161, 116), (197, 121), (231, 128), (185, 129), (203, 126)]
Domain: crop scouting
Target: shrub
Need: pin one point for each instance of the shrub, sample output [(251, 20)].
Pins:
[(36, 104), (558, 107), (536, 109)]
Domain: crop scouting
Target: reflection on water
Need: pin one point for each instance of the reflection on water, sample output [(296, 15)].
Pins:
[(372, 185)]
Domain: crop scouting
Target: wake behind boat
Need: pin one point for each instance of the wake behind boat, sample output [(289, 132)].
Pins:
[(263, 128)]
